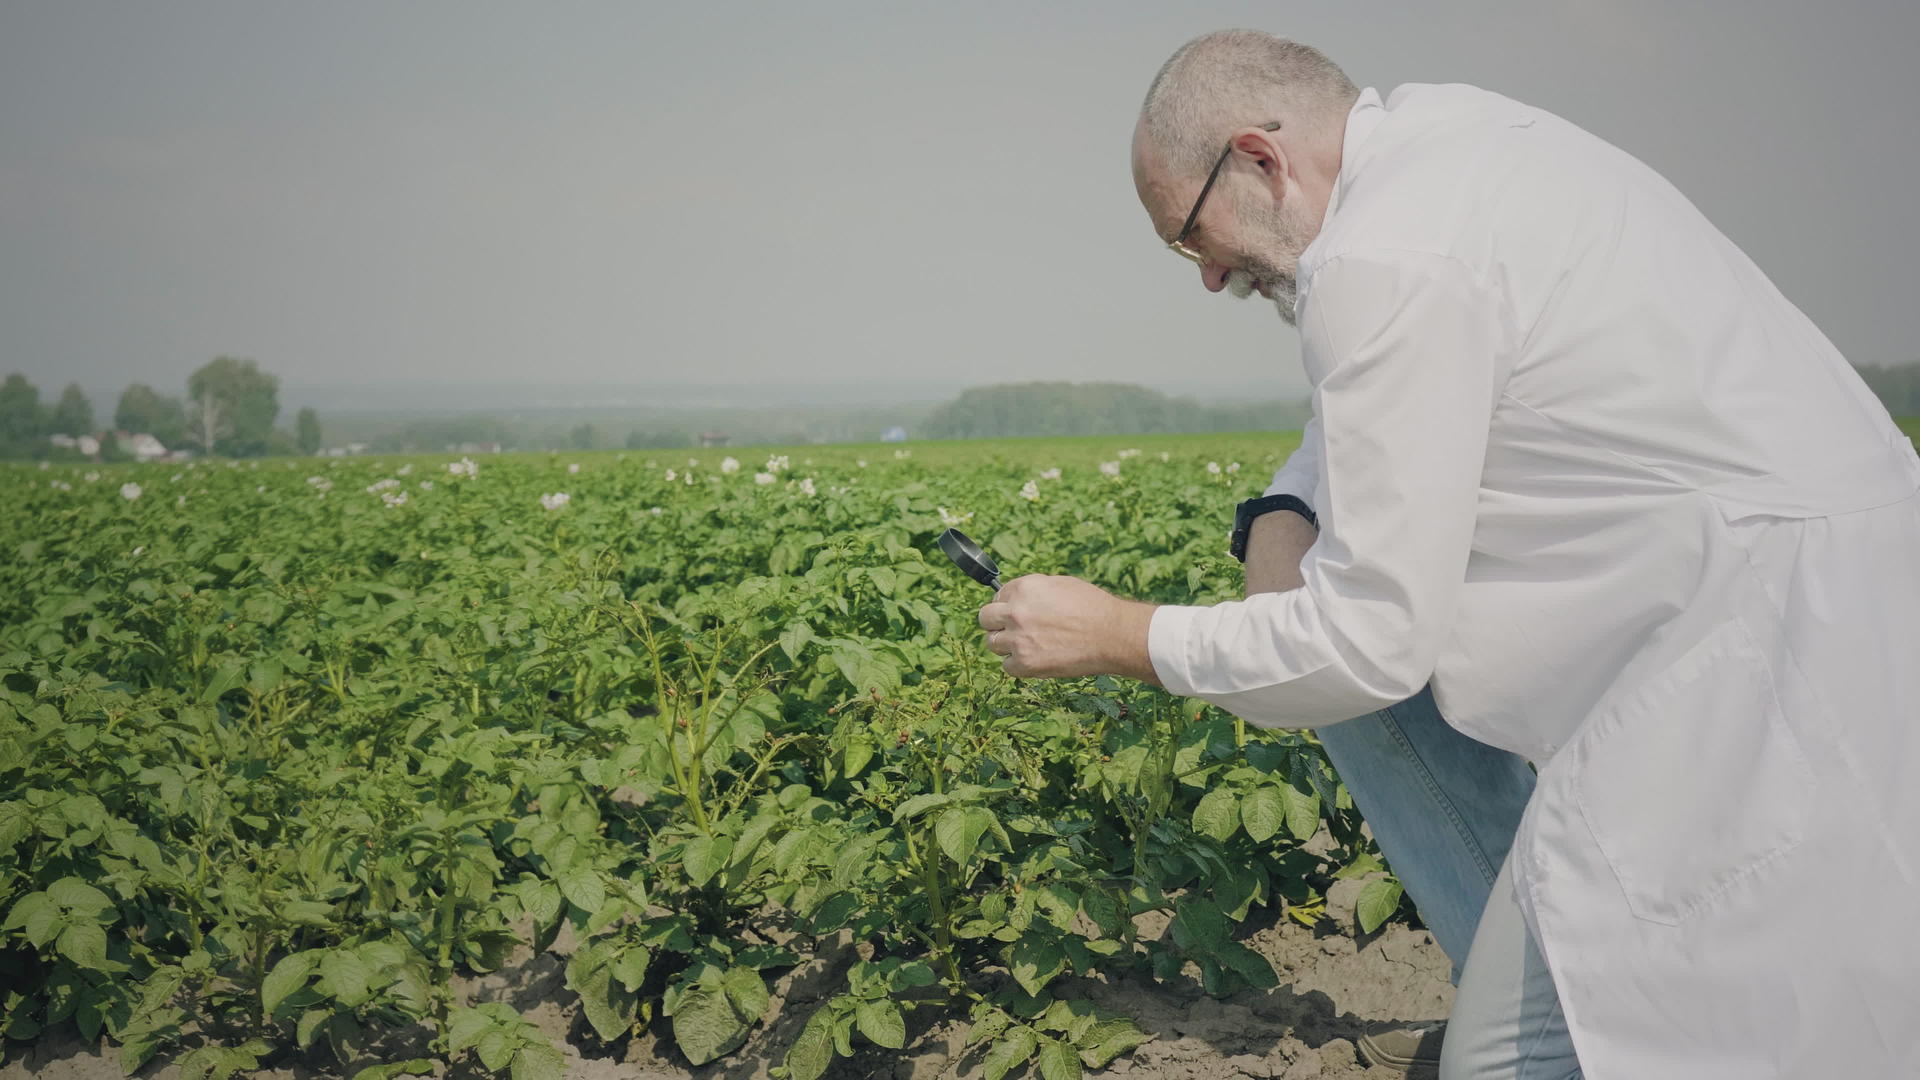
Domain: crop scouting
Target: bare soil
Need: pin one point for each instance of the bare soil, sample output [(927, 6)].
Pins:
[(1332, 985)]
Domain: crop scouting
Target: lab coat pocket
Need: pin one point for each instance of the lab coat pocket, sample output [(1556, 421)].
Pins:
[(1693, 781)]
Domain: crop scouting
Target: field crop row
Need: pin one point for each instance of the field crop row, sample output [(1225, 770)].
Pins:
[(289, 747)]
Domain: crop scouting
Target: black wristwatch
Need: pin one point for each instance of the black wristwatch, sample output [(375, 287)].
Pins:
[(1244, 514)]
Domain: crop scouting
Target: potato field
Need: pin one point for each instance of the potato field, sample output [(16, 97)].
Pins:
[(294, 751)]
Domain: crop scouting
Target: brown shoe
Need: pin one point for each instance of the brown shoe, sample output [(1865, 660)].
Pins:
[(1403, 1046)]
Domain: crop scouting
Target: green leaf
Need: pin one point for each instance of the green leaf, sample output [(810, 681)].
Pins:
[(288, 975), (1034, 961), (1218, 814), (1263, 812), (582, 887), (1012, 1050), (29, 906), (747, 991), (1058, 1061), (1198, 925), (86, 945), (881, 1022), (539, 1061), (914, 973), (38, 916), (344, 977), (1379, 899), (494, 1048), (1303, 812), (1255, 969), (630, 967), (1107, 1040), (959, 830), (465, 1027), (71, 892), (833, 912), (410, 1067), (705, 1025), (856, 755), (611, 1009), (812, 1052), (795, 638), (920, 804), (705, 856)]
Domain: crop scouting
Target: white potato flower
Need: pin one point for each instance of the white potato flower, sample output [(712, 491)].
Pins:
[(556, 500), (729, 465), (129, 491), (1111, 468), (763, 478), (1030, 491)]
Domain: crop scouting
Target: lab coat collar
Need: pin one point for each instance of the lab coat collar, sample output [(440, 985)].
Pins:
[(1366, 114)]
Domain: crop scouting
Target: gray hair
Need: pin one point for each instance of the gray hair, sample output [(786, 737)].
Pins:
[(1237, 78)]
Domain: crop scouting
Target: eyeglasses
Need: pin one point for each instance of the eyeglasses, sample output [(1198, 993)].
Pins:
[(1179, 244)]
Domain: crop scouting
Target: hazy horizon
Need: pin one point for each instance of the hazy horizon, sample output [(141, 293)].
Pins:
[(848, 195)]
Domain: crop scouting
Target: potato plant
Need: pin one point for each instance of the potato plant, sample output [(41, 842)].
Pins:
[(286, 760)]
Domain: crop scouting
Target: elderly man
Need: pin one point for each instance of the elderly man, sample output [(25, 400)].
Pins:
[(1581, 469)]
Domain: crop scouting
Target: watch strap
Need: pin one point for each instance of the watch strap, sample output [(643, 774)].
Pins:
[(1246, 512)]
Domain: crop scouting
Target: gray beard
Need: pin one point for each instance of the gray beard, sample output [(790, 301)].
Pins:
[(1280, 287), (1281, 237)]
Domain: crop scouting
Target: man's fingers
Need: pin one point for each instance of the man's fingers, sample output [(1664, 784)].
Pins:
[(994, 616)]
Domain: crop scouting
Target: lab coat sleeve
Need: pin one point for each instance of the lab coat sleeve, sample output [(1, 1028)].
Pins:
[(1300, 475), (1408, 360)]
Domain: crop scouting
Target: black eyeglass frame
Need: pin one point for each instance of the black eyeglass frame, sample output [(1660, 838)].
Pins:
[(1179, 243)]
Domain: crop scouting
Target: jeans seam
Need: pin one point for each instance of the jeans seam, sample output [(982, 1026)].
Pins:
[(1539, 1036), (1439, 795)]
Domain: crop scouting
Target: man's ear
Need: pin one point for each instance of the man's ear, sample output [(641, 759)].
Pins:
[(1266, 152)]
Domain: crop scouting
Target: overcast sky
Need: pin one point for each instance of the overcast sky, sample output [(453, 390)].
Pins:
[(353, 193)]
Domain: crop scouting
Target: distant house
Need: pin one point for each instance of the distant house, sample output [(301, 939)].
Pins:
[(715, 438), (65, 442), (141, 445), (895, 433)]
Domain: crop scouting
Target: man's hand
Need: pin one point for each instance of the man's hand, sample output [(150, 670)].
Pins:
[(1275, 546), (1053, 627)]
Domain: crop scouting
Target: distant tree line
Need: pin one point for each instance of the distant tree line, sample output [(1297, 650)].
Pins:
[(1059, 408), (1898, 386), (229, 409)]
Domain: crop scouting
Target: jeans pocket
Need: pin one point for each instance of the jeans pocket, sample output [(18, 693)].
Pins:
[(1693, 781)]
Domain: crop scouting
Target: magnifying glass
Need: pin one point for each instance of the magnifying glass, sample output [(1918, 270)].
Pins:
[(967, 555)]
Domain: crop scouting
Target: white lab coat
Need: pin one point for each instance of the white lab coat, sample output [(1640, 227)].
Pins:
[(1582, 467)]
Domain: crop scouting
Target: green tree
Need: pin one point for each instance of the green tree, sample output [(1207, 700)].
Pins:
[(143, 409), (23, 425), (74, 415), (306, 431), (583, 437), (231, 406)]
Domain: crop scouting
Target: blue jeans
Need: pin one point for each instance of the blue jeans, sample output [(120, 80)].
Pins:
[(1443, 808)]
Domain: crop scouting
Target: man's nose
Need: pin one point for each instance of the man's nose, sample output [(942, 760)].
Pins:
[(1213, 276)]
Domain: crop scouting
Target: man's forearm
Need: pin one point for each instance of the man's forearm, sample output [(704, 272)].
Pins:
[(1275, 547)]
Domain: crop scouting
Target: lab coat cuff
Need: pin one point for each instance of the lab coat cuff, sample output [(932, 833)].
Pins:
[(1168, 634), (1300, 486)]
